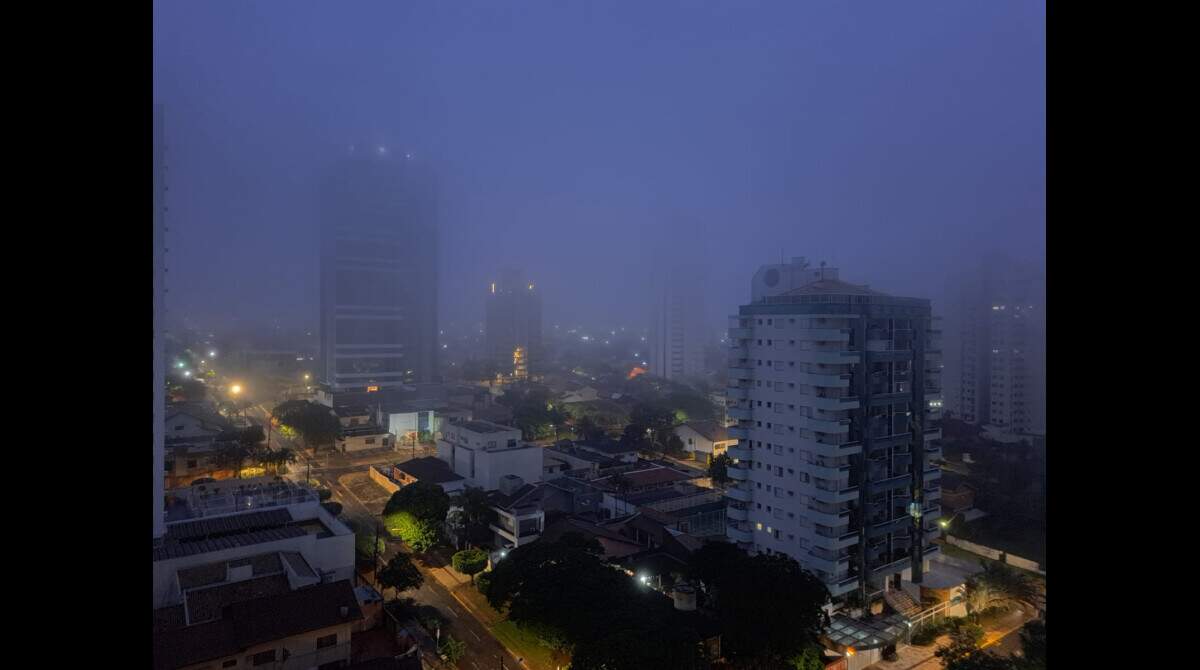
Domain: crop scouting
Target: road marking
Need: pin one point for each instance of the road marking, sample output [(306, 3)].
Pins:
[(452, 612)]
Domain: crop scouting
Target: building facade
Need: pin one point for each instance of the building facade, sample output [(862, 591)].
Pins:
[(160, 275), (1000, 356), (834, 387), (513, 324), (483, 452), (378, 274)]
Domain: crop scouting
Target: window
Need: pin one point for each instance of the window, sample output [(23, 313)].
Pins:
[(327, 641), (370, 440), (263, 657)]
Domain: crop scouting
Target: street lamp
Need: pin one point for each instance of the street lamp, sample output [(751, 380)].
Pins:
[(236, 389)]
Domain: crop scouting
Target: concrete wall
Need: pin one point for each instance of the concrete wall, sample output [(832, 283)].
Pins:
[(384, 481), (995, 554), (366, 443)]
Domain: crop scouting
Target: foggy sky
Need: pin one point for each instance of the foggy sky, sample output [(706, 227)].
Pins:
[(588, 142)]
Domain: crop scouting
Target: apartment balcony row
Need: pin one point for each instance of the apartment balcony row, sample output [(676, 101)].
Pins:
[(738, 433), (823, 379), (829, 357), (739, 473), (835, 539), (886, 526), (831, 403), (740, 453), (737, 392), (825, 562), (824, 334), (739, 492), (737, 512), (834, 493), (827, 517), (739, 413), (738, 533), (827, 470), (831, 426), (740, 333)]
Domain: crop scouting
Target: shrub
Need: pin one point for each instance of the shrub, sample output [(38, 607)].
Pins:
[(452, 649), (483, 581), (469, 561)]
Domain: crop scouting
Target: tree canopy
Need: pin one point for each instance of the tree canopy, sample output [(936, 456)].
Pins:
[(718, 469), (315, 423), (744, 587), (400, 574), (565, 594), (415, 513), (470, 561)]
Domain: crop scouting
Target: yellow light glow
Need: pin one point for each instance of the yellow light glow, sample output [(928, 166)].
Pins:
[(235, 389), (531, 287), (372, 389), (493, 287)]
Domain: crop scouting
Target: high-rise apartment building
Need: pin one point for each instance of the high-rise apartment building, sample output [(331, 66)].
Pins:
[(513, 324), (160, 372), (677, 332), (378, 274), (836, 391), (1000, 358)]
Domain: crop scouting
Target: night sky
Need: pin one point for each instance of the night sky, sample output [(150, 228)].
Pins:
[(591, 142)]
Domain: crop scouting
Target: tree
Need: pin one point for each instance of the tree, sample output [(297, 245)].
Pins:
[(477, 514), (315, 423), (809, 659), (451, 649), (718, 469), (579, 541), (193, 390), (232, 455), (400, 574), (675, 445), (1033, 645), (1001, 586), (470, 562), (587, 429), (743, 585), (963, 652), (416, 513)]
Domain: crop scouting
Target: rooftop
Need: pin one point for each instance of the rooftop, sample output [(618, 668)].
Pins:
[(428, 469), (581, 454), (351, 410), (187, 538), (236, 495), (833, 287), (649, 477), (609, 447), (871, 633), (261, 619), (528, 495), (710, 430), (478, 426)]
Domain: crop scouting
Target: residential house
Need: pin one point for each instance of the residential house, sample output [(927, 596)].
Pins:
[(704, 440), (520, 518), (428, 469), (609, 448), (193, 432), (368, 437)]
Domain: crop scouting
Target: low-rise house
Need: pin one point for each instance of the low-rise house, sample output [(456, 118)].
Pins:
[(704, 440), (585, 394), (428, 469), (573, 497), (614, 545), (368, 437), (194, 431), (610, 449), (520, 518), (566, 459)]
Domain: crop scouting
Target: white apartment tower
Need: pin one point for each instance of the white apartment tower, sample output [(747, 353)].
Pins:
[(160, 188), (835, 388)]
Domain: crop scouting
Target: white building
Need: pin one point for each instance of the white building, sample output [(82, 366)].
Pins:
[(482, 452), (826, 379), (704, 440), (160, 375)]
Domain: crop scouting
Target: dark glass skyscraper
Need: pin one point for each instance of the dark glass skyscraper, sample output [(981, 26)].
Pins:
[(378, 273), (513, 324)]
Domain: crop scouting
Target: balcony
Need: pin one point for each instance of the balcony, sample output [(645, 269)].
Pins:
[(739, 492), (835, 539), (737, 392), (826, 334), (894, 565), (737, 513), (741, 373), (835, 426), (892, 482), (738, 473), (739, 413), (737, 433), (842, 585), (737, 534), (827, 518), (740, 333), (740, 453), (826, 562), (831, 496), (896, 525), (830, 357), (826, 470)]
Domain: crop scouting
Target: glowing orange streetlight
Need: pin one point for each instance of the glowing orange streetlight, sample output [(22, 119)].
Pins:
[(235, 389)]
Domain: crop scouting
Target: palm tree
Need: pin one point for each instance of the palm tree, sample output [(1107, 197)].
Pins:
[(1001, 586)]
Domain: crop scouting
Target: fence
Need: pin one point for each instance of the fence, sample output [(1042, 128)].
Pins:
[(996, 554)]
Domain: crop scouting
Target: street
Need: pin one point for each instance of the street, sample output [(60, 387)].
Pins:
[(483, 649)]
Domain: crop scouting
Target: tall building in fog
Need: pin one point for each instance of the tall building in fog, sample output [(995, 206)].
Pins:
[(513, 324), (677, 327), (160, 379), (825, 381), (1000, 359), (378, 273)]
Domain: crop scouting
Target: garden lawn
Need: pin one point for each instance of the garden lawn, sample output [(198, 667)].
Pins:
[(523, 644)]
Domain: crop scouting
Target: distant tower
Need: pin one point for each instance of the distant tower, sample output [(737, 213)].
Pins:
[(160, 188), (378, 273), (677, 332), (1000, 355), (513, 324)]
